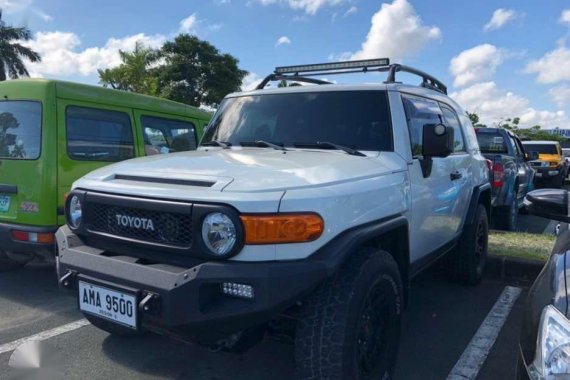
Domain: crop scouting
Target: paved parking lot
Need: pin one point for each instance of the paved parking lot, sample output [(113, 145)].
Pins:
[(439, 324)]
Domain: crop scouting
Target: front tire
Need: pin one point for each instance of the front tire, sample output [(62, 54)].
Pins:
[(350, 326), (467, 261), (8, 263)]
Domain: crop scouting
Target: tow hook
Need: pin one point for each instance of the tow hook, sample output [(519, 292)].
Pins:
[(150, 304), (68, 279)]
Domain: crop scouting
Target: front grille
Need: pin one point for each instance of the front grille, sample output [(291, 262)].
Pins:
[(148, 226)]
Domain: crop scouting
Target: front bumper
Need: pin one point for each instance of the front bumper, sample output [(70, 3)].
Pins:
[(546, 173), (7, 243), (187, 301)]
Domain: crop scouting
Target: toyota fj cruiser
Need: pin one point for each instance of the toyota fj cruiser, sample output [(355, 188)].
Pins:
[(314, 205)]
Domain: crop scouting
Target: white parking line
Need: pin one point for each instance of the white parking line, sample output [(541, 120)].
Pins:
[(8, 347), (472, 359)]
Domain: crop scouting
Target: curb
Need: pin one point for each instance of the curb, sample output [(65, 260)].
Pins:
[(513, 267)]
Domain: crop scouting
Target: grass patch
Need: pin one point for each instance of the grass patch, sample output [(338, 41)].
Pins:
[(520, 244)]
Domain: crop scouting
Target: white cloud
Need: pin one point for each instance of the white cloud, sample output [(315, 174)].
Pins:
[(188, 25), (565, 17), (13, 6), (308, 6), (352, 10), (250, 81), (62, 56), (552, 67), (396, 32), (493, 105), (283, 40), (500, 18), (476, 64), (560, 95)]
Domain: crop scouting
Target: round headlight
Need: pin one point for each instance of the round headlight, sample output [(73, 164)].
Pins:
[(219, 233), (74, 217)]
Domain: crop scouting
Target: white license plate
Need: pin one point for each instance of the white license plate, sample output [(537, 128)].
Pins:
[(4, 203), (109, 304), (538, 175)]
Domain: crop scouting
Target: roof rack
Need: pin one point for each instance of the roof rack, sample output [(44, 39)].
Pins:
[(303, 73)]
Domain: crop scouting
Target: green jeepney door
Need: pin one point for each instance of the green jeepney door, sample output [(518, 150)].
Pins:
[(27, 158), (91, 136)]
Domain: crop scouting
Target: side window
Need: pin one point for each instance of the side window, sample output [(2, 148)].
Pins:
[(98, 135), (520, 148), (420, 111), (167, 135), (451, 120), (515, 146)]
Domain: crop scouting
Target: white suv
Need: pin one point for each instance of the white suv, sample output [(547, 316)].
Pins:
[(318, 203)]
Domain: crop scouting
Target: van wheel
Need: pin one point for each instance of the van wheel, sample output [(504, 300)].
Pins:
[(467, 261), (350, 326), (110, 327), (10, 262)]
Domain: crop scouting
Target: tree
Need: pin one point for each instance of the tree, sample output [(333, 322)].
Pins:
[(13, 53), (533, 133), (196, 73), (284, 83), (475, 120), (135, 73)]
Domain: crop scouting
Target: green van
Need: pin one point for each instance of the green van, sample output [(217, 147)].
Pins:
[(53, 132)]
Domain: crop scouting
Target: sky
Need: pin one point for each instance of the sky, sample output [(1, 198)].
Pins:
[(500, 59)]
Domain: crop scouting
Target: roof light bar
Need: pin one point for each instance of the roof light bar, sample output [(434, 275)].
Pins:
[(362, 64)]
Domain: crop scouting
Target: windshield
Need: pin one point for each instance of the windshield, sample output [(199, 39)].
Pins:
[(541, 148), (355, 119), (491, 142)]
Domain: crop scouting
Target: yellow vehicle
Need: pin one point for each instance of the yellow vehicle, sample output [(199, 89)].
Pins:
[(551, 167)]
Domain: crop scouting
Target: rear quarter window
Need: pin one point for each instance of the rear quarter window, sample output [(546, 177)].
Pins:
[(491, 142), (98, 135), (20, 129)]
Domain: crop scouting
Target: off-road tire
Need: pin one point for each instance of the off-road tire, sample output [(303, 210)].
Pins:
[(110, 327), (507, 217), (466, 262), (339, 318), (8, 264)]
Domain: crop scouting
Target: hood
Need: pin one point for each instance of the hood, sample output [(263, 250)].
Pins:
[(556, 158), (250, 169)]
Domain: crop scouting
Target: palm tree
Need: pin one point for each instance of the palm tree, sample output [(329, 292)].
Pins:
[(13, 53)]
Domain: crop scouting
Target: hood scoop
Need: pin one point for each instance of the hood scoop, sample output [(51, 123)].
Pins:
[(168, 181)]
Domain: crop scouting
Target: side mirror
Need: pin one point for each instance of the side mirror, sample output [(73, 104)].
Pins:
[(531, 156), (548, 203), (437, 140)]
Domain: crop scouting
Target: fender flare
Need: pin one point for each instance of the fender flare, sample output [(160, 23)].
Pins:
[(481, 194)]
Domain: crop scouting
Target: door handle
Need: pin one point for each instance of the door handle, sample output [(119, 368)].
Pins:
[(455, 175)]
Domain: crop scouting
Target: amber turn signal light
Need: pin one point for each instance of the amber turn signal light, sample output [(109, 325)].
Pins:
[(282, 228)]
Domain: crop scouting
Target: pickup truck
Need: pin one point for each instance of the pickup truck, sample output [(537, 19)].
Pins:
[(510, 172)]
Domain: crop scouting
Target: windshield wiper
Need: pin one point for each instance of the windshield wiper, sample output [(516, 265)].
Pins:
[(264, 143), (223, 144), (323, 144)]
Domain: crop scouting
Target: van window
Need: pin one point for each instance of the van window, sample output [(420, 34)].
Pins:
[(420, 111), (20, 129), (98, 135), (167, 135), (451, 120)]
